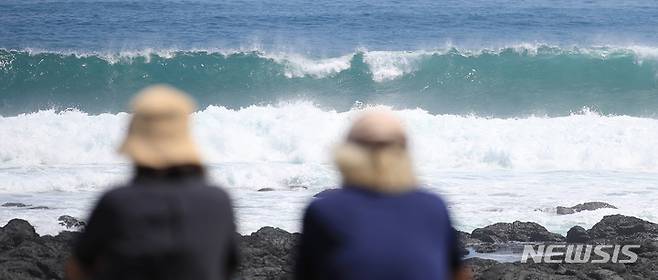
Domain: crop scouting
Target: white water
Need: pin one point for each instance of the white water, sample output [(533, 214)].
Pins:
[(489, 170)]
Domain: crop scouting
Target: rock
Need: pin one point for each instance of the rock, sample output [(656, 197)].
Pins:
[(520, 271), (587, 206), (486, 248), (604, 274), (619, 227), (15, 232), (577, 234), (615, 229), (591, 206), (561, 210), (478, 265), (71, 222), (25, 255), (325, 193), (21, 205), (14, 204), (464, 240), (268, 253), (516, 231), (298, 187), (266, 190)]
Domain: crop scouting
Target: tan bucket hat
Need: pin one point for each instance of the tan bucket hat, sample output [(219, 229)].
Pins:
[(375, 154), (378, 127), (159, 132)]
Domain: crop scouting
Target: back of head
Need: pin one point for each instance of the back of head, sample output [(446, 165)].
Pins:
[(375, 155), (159, 133)]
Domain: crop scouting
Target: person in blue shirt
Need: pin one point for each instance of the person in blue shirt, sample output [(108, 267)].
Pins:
[(379, 225)]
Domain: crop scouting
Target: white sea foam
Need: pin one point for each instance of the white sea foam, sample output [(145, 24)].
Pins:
[(475, 198), (488, 169), (390, 65), (303, 133), (300, 66)]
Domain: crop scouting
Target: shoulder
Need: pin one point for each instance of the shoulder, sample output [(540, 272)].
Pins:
[(428, 200), (114, 194), (115, 199), (333, 197), (209, 196), (213, 192), (431, 206), (346, 197), (428, 197), (330, 201)]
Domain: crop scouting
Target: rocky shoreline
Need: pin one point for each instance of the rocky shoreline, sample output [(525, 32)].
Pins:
[(269, 252), (611, 230)]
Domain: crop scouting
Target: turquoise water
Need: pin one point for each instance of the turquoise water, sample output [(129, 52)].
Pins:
[(507, 82), (488, 58)]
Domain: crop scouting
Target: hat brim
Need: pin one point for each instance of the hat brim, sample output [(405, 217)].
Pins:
[(160, 153)]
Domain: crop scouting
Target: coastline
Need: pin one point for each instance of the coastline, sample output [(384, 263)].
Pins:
[(269, 253)]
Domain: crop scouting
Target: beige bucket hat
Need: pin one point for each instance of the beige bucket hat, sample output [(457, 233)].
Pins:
[(378, 127), (159, 132), (375, 154)]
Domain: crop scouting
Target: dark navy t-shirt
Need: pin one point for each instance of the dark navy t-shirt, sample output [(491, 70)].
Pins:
[(356, 234)]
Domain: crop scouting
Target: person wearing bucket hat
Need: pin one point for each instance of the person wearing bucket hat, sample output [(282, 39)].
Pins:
[(379, 225), (168, 222), (159, 133)]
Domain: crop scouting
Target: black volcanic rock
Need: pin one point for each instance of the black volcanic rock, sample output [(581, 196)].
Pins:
[(611, 230), (623, 227), (505, 271), (463, 240), (478, 265), (14, 204), (25, 255), (268, 253), (15, 232), (71, 222), (516, 231), (587, 206), (22, 205), (619, 229), (486, 248), (577, 234)]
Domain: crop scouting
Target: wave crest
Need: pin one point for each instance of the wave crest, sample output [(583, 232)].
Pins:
[(512, 81)]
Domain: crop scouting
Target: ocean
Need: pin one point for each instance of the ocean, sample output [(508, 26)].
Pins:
[(513, 107)]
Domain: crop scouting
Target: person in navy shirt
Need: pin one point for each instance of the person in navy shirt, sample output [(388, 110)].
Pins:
[(379, 225), (168, 222)]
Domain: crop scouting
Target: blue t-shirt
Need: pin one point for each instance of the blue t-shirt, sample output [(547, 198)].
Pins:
[(356, 234)]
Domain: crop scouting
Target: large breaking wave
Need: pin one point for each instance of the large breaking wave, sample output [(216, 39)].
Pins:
[(514, 81), (302, 133)]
